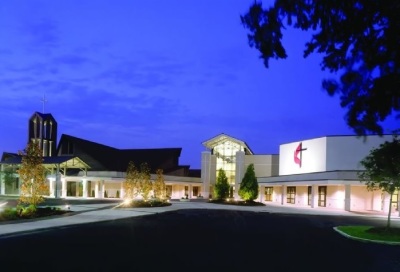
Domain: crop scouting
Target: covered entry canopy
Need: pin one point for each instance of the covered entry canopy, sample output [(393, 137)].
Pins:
[(66, 162)]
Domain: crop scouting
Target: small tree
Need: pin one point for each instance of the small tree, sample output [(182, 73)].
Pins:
[(382, 170), (145, 184), (131, 180), (159, 187), (33, 176), (249, 186), (221, 188)]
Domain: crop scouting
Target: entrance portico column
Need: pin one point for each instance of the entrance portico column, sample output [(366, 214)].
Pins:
[(239, 173), (99, 189), (51, 187), (314, 196), (190, 191), (3, 187), (261, 191), (84, 188), (102, 188), (206, 173), (347, 197), (283, 195), (96, 189), (63, 187), (398, 202), (2, 183), (386, 201), (122, 195), (58, 182)]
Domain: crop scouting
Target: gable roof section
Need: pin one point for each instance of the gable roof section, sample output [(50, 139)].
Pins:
[(221, 138), (43, 116), (98, 156)]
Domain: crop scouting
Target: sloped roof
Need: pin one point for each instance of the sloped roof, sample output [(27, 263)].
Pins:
[(44, 116), (103, 157), (98, 156), (8, 155), (221, 138)]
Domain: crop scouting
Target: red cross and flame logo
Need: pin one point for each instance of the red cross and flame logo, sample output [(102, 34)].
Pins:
[(298, 154)]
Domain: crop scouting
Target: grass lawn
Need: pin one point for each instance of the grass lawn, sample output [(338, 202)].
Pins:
[(372, 233), (21, 213)]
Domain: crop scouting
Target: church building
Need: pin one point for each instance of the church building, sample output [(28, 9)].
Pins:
[(82, 168), (316, 173)]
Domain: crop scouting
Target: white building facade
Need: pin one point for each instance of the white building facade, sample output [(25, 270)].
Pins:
[(320, 172), (323, 172)]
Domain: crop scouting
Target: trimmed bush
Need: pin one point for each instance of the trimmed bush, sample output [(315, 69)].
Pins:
[(221, 189), (249, 187)]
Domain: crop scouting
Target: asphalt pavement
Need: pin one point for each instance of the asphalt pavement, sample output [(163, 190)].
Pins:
[(90, 211), (195, 236)]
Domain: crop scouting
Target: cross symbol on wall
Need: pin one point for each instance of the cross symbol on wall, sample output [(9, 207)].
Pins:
[(298, 154)]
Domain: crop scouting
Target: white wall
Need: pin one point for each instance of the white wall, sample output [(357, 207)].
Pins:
[(328, 153), (335, 196), (313, 159), (346, 152), (264, 165)]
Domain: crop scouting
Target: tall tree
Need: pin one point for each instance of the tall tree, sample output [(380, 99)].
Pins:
[(221, 188), (249, 187), (382, 170), (360, 39), (33, 176), (159, 187)]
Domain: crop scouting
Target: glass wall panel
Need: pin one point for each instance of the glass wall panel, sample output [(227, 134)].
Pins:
[(225, 153)]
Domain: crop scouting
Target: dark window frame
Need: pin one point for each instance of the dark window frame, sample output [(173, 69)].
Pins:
[(322, 193), (291, 194), (268, 191)]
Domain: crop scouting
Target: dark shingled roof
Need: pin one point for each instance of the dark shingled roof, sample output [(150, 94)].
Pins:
[(105, 158)]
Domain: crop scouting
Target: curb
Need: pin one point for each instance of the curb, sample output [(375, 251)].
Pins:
[(366, 240)]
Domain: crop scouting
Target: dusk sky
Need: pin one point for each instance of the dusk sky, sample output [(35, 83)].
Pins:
[(154, 74)]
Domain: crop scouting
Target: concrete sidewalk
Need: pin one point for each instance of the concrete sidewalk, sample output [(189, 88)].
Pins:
[(90, 213)]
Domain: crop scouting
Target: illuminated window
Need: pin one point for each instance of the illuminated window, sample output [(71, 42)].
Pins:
[(291, 195), (45, 148), (309, 195), (395, 201), (45, 130), (225, 152), (186, 190), (16, 183), (195, 190), (322, 196), (51, 129), (268, 193)]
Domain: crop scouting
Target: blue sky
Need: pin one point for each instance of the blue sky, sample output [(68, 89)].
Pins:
[(156, 73)]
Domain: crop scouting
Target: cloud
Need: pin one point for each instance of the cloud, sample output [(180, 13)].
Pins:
[(141, 74), (41, 35), (71, 60)]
